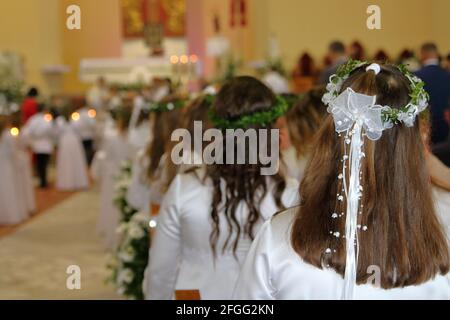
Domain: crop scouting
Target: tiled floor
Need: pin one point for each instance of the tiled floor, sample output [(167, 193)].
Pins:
[(35, 256)]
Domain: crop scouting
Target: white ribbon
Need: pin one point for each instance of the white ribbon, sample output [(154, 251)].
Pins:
[(375, 67), (356, 114), (353, 198)]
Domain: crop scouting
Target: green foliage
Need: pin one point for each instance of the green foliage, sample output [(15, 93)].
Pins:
[(258, 118)]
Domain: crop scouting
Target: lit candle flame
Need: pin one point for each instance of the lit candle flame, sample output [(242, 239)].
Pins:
[(48, 117), (184, 59), (174, 59), (92, 113), (14, 131), (75, 116)]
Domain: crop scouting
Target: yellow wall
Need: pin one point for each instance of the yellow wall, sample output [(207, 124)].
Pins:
[(100, 36), (441, 24), (31, 28), (310, 25), (36, 29)]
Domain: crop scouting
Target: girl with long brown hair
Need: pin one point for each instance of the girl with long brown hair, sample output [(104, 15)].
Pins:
[(303, 121), (147, 182), (367, 226), (210, 216), (114, 150)]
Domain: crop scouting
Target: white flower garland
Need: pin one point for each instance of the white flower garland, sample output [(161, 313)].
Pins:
[(131, 256)]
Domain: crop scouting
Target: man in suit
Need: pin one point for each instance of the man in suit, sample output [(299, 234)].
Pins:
[(337, 57), (442, 150), (437, 84)]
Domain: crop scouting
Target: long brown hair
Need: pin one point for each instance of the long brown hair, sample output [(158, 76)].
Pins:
[(196, 110), (243, 182), (404, 237), (305, 118), (164, 123)]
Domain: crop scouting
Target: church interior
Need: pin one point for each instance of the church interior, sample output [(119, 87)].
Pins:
[(100, 72)]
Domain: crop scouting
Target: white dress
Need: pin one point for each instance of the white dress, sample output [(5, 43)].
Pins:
[(71, 166), (295, 167), (181, 257), (12, 198), (442, 199), (141, 192), (116, 150), (25, 174), (138, 193), (140, 135), (273, 270)]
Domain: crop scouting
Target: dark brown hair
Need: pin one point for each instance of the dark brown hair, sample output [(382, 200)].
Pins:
[(243, 182), (404, 236)]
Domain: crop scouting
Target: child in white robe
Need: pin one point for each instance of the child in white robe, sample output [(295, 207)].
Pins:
[(184, 255), (25, 173), (115, 150), (40, 132), (85, 127), (13, 208), (71, 165), (303, 120), (148, 182), (301, 254)]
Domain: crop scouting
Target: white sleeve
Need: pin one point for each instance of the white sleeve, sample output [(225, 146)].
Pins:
[(138, 194), (291, 194), (162, 270), (254, 281)]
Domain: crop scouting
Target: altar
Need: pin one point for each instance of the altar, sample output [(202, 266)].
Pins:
[(125, 70)]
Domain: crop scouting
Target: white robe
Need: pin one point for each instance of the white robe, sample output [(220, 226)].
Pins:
[(139, 191), (142, 192), (295, 167), (273, 270), (25, 174), (71, 166), (116, 150), (181, 257), (13, 208)]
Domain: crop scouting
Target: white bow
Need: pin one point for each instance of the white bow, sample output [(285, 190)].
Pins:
[(351, 107)]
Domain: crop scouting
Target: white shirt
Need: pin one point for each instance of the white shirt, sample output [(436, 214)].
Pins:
[(276, 82), (431, 62), (85, 126), (181, 256), (40, 133), (273, 270)]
